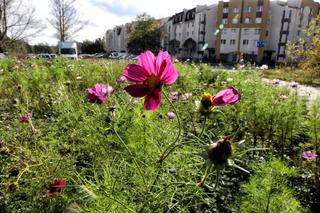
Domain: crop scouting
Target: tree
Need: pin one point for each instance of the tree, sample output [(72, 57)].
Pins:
[(66, 20), (17, 21), (145, 34), (307, 50), (90, 47)]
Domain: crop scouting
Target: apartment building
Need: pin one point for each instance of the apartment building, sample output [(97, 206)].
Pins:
[(258, 30), (190, 30), (253, 30), (116, 39), (287, 22)]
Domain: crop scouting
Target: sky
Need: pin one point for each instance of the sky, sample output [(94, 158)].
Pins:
[(102, 15)]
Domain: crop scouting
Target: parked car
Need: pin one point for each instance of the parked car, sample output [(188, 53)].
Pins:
[(117, 55), (44, 56)]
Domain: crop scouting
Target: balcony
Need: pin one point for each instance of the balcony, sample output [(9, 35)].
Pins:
[(285, 20), (284, 32), (203, 21), (202, 32)]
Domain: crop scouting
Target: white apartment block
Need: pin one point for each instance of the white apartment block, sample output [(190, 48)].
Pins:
[(189, 30), (255, 30)]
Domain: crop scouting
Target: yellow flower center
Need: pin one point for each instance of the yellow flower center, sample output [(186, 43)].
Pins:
[(153, 82), (206, 103)]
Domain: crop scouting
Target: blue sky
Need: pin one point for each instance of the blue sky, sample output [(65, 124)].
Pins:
[(105, 14)]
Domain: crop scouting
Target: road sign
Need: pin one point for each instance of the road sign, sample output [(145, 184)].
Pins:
[(260, 44)]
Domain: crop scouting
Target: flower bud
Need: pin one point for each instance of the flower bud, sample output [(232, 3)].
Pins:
[(220, 151)]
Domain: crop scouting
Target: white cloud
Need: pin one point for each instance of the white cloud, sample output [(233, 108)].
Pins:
[(105, 14)]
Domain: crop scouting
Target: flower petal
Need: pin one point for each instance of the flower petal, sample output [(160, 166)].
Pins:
[(227, 96), (161, 62), (135, 73), (137, 90), (169, 74), (147, 61), (153, 100)]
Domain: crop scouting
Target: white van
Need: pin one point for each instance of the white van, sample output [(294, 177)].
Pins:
[(68, 49)]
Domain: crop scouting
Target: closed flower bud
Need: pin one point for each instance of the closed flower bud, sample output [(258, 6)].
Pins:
[(220, 151)]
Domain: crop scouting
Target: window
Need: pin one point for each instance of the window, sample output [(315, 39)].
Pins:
[(246, 31), (234, 21), (257, 31), (224, 31), (259, 8), (267, 33), (192, 32), (235, 10), (193, 24), (233, 31), (256, 43), (232, 42), (223, 41), (225, 10), (247, 20), (188, 24), (224, 21), (245, 42), (247, 9), (258, 20), (187, 33)]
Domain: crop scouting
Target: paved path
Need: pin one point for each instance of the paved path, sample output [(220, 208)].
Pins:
[(311, 92)]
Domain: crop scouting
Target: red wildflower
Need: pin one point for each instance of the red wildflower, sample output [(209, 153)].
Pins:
[(56, 186)]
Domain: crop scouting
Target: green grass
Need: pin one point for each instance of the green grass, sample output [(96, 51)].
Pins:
[(108, 153), (292, 74)]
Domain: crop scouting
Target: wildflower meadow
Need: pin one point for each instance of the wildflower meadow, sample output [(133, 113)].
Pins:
[(154, 135)]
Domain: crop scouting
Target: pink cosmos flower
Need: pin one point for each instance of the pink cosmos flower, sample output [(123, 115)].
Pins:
[(56, 186), (97, 94), (284, 97), (275, 81), (174, 96), (308, 155), (227, 96), (171, 115), (264, 67), (293, 84), (25, 118), (150, 75), (109, 90), (121, 80), (186, 96)]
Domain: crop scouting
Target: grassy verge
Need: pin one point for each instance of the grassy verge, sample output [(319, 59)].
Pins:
[(291, 74)]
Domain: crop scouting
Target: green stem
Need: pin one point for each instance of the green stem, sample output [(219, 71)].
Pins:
[(172, 146), (117, 201), (203, 126), (133, 158), (217, 179), (206, 173)]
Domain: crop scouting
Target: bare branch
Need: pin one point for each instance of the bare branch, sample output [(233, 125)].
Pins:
[(65, 19)]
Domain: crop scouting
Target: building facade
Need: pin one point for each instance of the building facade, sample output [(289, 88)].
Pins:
[(189, 31), (253, 30), (259, 30)]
